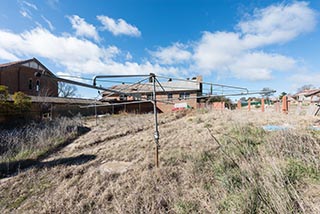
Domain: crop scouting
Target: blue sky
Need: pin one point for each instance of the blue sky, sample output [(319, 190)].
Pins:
[(252, 43)]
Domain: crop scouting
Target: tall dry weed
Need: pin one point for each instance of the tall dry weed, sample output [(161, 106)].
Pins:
[(34, 139)]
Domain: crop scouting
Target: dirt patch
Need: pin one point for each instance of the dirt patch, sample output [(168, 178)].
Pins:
[(114, 167)]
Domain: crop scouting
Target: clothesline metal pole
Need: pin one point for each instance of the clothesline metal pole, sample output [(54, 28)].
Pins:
[(156, 130)]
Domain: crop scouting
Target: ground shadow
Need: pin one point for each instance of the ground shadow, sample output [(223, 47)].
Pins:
[(12, 168), (81, 130), (69, 161)]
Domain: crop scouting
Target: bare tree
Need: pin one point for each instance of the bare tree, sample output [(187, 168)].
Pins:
[(266, 93), (66, 90), (305, 87)]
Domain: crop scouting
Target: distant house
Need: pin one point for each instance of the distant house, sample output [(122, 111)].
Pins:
[(169, 94), (311, 96), (21, 76)]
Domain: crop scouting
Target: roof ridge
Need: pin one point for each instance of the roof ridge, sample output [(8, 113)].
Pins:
[(20, 62)]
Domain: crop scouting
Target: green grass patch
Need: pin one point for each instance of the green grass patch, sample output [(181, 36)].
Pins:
[(24, 154), (296, 171), (231, 203), (186, 207)]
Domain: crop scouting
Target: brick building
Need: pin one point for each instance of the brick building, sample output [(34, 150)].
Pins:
[(308, 96), (172, 94), (20, 76)]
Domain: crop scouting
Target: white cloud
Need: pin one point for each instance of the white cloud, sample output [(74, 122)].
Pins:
[(77, 56), (83, 28), (25, 8), (239, 53), (118, 27), (50, 25), (215, 51), (225, 53), (5, 55), (53, 3), (61, 49), (299, 80), (128, 56), (33, 6), (72, 76), (25, 14), (174, 54), (277, 24), (259, 65)]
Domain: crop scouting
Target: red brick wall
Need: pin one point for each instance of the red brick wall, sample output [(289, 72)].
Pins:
[(17, 79), (167, 104), (9, 78), (218, 105), (167, 107)]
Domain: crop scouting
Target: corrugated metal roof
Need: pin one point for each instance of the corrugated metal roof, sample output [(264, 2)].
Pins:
[(61, 100), (148, 87), (313, 92), (307, 93), (38, 99), (8, 64)]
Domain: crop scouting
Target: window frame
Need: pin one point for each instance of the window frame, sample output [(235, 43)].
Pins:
[(30, 84), (38, 85), (149, 96), (184, 95), (123, 97)]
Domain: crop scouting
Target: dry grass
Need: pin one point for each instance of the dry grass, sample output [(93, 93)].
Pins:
[(211, 162), (33, 139), (27, 145)]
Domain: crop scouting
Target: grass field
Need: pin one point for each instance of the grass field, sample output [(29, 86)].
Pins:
[(210, 162)]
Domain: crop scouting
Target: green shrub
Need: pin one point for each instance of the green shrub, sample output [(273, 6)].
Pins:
[(21, 101), (4, 94)]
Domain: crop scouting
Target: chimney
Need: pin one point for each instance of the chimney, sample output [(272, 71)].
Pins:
[(199, 78)]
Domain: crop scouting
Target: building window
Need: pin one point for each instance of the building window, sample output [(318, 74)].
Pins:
[(30, 84), (136, 96), (149, 97), (38, 85), (170, 96), (184, 95), (123, 97)]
